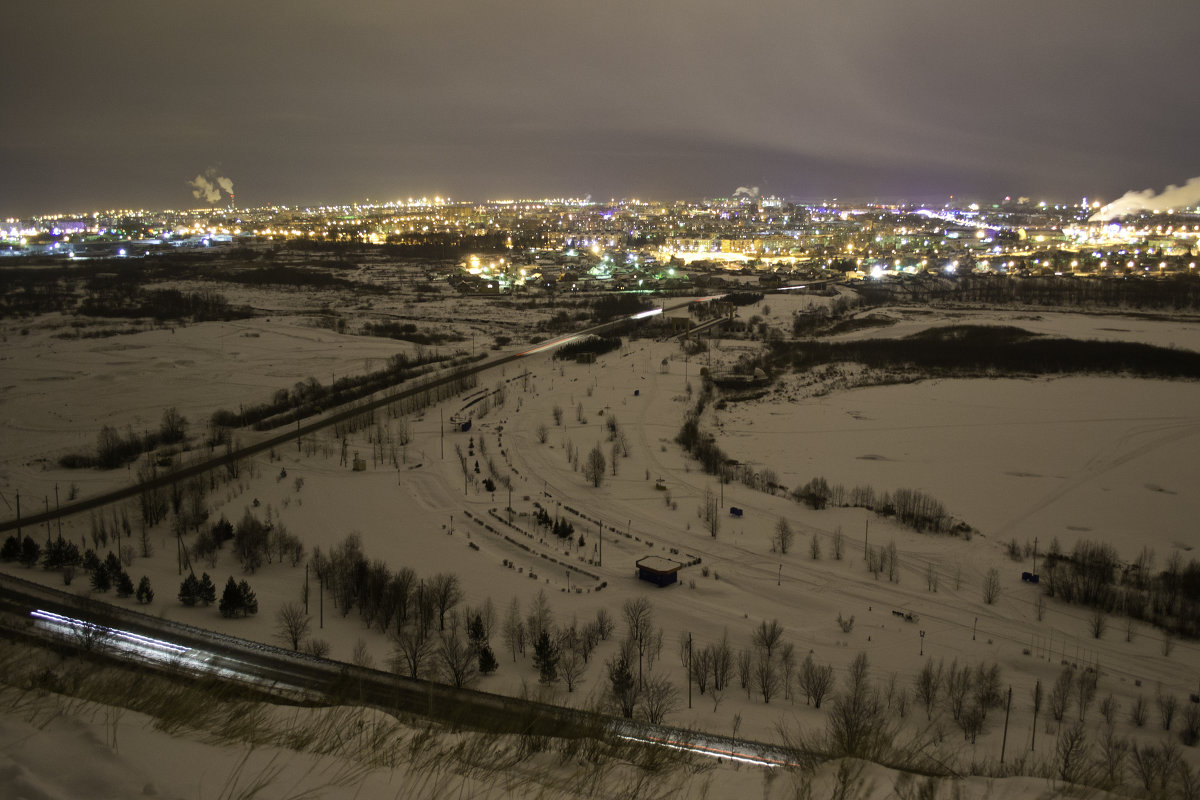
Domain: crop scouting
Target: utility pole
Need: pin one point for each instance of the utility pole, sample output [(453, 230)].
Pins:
[(973, 627), (1004, 741), (48, 527), (297, 434), (442, 429), (1035, 556), (689, 669), (866, 533), (306, 588), (18, 514), (321, 597), (1037, 690), (922, 642), (779, 579), (58, 508)]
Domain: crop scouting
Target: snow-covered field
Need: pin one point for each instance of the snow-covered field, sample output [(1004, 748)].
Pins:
[(1108, 459)]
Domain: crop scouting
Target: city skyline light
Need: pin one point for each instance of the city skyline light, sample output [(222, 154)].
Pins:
[(129, 104)]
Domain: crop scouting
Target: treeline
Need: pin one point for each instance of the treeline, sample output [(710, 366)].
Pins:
[(596, 345), (1174, 293), (1093, 575), (115, 449), (609, 306), (63, 556), (310, 396), (409, 332), (910, 507), (982, 349), (277, 275), (162, 304)]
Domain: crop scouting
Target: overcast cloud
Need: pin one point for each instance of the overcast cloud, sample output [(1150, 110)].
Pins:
[(122, 103)]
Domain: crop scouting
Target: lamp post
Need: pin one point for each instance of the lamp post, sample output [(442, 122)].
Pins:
[(922, 642)]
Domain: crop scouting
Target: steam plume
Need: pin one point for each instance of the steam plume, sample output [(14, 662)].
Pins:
[(208, 186), (1146, 200), (748, 191)]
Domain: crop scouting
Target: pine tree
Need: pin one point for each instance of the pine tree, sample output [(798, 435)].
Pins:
[(189, 590), (11, 549), (231, 599), (545, 658), (206, 590), (124, 584), (113, 565), (487, 660), (144, 593), (249, 601), (476, 634), (31, 551), (90, 562), (101, 580)]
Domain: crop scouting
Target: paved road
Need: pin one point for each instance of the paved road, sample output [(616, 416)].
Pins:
[(121, 634), (383, 398)]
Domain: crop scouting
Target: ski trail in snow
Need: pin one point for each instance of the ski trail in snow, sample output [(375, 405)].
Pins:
[(1120, 453)]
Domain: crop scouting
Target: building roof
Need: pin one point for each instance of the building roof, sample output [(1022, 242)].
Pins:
[(658, 564)]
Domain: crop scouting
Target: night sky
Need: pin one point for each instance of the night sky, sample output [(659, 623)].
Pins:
[(120, 104)]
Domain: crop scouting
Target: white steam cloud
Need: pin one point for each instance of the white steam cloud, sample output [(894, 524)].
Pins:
[(208, 186), (1146, 200), (748, 191)]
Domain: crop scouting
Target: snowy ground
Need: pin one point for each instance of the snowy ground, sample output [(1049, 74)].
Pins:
[(1110, 459)]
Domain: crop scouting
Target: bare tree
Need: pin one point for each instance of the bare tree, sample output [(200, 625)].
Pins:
[(722, 662), (710, 512), (543, 433), (784, 535), (557, 413), (814, 547), (1190, 734), (1070, 752), (1109, 707), (1137, 711), (837, 544), (1167, 705), (413, 646), (1114, 752), (539, 619), (593, 467), (767, 636), (855, 726), (745, 662), (958, 686), (639, 627), (445, 593), (514, 629), (991, 586), (457, 662), (928, 685), (1097, 623), (1085, 690), (1060, 695), (816, 682), (658, 698), (292, 624), (787, 668), (766, 677), (571, 666)]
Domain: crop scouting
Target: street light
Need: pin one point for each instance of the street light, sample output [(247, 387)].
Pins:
[(922, 642)]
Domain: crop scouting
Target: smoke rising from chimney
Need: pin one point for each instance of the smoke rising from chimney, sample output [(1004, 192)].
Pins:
[(208, 186), (1146, 200)]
